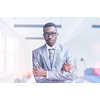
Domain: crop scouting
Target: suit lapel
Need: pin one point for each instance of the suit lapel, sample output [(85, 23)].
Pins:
[(45, 55), (57, 52)]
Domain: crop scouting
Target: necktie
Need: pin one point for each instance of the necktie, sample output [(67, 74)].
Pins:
[(51, 56)]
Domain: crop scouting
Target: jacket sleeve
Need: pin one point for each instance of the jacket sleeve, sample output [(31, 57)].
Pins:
[(39, 79), (62, 75), (56, 75), (35, 61)]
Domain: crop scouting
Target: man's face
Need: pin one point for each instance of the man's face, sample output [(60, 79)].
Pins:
[(50, 35)]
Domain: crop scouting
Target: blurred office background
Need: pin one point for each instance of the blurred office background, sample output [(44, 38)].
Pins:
[(20, 35)]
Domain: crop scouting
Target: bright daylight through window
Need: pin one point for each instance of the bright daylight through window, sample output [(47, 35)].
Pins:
[(8, 53)]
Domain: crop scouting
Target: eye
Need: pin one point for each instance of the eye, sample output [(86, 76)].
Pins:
[(46, 34), (53, 33)]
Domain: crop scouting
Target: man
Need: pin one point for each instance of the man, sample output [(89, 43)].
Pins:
[(52, 63)]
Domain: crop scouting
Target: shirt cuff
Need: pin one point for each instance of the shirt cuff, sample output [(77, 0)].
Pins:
[(47, 75)]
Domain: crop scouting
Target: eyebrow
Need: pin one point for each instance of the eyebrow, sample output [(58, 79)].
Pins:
[(51, 32)]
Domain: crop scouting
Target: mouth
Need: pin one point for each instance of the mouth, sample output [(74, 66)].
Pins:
[(50, 41)]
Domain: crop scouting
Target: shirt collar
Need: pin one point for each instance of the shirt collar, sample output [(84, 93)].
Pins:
[(48, 47)]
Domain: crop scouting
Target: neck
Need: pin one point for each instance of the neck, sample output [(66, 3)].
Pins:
[(52, 45)]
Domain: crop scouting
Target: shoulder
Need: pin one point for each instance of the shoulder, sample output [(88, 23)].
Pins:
[(38, 49), (64, 47)]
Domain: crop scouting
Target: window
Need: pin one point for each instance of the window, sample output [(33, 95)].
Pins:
[(8, 53), (1, 52), (0, 39), (1, 62)]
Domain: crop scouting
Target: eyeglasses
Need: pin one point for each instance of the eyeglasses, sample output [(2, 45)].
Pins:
[(47, 34)]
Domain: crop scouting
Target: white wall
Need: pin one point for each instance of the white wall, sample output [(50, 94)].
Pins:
[(86, 45)]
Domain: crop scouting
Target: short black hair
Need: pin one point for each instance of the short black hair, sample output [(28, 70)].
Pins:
[(49, 24)]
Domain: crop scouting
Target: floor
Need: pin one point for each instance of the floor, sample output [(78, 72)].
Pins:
[(80, 79)]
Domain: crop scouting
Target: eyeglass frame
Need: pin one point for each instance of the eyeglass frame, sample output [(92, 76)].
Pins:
[(50, 34)]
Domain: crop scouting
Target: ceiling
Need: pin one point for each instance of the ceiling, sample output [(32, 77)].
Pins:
[(71, 26), (29, 32)]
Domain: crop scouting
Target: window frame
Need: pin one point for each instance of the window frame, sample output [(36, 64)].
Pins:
[(4, 50)]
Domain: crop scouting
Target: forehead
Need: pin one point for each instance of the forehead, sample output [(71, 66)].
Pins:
[(50, 29)]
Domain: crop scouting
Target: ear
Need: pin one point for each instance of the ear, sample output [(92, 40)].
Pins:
[(57, 34), (43, 35)]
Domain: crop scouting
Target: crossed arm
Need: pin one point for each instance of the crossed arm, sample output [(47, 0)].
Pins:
[(65, 74), (41, 72)]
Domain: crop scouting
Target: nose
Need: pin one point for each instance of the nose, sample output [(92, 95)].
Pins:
[(50, 36)]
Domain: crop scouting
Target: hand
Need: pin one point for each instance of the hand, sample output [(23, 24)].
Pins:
[(39, 71), (68, 67)]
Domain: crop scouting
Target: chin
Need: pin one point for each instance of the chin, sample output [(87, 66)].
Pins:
[(50, 44)]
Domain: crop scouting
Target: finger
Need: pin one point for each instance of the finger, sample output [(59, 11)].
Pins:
[(63, 68), (65, 62), (68, 69), (69, 64), (33, 72), (35, 69), (38, 66), (71, 67)]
